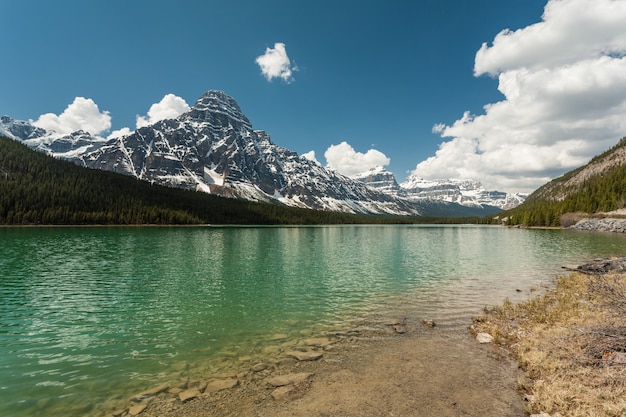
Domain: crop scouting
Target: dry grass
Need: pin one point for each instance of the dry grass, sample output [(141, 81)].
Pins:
[(565, 340)]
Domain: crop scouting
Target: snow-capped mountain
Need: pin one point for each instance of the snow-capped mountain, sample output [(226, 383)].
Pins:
[(60, 146), (468, 193), (18, 129), (379, 178), (213, 148)]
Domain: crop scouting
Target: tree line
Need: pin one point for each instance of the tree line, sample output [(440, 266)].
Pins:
[(38, 189), (600, 193)]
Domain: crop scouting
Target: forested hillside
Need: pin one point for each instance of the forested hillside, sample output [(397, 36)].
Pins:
[(38, 189), (599, 186)]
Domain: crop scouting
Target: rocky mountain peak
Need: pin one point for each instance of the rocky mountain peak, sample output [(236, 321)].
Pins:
[(19, 129), (379, 178), (220, 110), (213, 148)]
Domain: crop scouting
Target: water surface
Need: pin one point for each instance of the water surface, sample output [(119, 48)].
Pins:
[(90, 315)]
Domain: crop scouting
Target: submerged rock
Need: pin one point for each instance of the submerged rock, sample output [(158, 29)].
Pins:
[(259, 367), (137, 409), (150, 393), (317, 341)]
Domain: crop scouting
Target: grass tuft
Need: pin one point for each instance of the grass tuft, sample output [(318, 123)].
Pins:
[(570, 341)]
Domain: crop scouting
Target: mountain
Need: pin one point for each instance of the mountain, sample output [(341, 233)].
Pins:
[(213, 148), (38, 189), (599, 186), (468, 193), (380, 179), (61, 146)]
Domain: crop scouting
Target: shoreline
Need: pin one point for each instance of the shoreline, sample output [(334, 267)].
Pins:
[(397, 367), (570, 342), (400, 367)]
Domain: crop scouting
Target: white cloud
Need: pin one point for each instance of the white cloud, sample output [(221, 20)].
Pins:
[(564, 82), (82, 114), (120, 132), (570, 30), (310, 155), (276, 64), (170, 107), (344, 159)]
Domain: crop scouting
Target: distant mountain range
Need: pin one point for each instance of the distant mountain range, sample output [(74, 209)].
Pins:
[(469, 193), (213, 148)]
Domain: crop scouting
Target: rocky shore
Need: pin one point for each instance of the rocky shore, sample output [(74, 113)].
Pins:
[(397, 367), (616, 225)]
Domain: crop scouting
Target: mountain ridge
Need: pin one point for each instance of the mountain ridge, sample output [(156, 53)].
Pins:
[(466, 192), (213, 148)]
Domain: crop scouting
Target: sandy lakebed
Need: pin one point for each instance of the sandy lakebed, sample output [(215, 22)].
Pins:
[(399, 367)]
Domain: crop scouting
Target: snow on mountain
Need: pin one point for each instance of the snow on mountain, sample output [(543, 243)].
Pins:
[(18, 129), (467, 192), (213, 148), (60, 146), (379, 178)]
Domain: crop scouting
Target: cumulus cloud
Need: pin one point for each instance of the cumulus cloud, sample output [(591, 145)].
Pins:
[(275, 63), (564, 83), (170, 107), (310, 156), (82, 114), (119, 133), (344, 159)]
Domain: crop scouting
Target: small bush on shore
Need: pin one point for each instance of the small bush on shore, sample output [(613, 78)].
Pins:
[(571, 343)]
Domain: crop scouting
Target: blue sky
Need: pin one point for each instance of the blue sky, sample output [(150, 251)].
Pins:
[(405, 84)]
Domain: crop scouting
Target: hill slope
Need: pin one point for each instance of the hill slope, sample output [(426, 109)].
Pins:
[(599, 186), (38, 189)]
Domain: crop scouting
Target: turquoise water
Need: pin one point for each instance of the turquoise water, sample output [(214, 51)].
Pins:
[(89, 316)]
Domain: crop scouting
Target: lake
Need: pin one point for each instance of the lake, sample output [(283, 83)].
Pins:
[(91, 315)]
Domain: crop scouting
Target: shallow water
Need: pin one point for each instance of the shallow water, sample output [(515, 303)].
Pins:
[(92, 314)]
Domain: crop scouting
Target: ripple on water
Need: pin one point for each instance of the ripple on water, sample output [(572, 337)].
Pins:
[(94, 313)]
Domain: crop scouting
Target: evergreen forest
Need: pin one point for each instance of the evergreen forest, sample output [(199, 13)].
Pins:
[(551, 204), (36, 189)]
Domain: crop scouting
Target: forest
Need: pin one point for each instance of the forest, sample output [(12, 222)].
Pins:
[(36, 189), (547, 206)]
